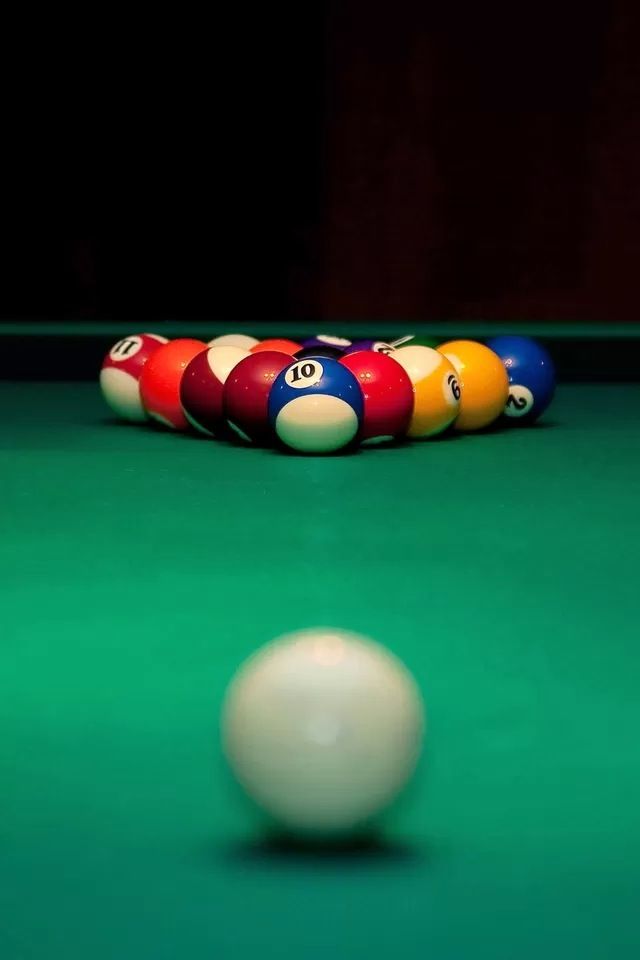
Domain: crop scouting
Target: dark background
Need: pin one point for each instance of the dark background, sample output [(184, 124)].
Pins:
[(338, 160)]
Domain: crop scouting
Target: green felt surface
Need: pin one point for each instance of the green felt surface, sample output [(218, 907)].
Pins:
[(138, 568)]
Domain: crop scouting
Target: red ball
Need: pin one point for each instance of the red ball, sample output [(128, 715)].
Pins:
[(202, 385), (120, 374), (246, 394), (160, 381), (388, 395), (278, 343)]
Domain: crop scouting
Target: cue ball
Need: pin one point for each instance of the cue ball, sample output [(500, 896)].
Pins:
[(532, 378), (160, 381), (316, 406), (323, 730), (484, 383), (120, 374)]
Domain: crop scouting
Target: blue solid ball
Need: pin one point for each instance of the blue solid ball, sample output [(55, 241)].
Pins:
[(532, 377), (316, 406), (377, 346), (327, 340)]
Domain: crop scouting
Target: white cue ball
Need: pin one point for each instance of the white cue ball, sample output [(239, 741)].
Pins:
[(323, 729)]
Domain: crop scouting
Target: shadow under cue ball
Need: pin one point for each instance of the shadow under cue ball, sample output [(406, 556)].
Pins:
[(323, 730)]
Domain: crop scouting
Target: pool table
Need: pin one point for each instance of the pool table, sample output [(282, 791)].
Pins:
[(139, 568)]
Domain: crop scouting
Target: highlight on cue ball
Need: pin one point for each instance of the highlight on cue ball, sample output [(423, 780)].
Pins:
[(323, 729)]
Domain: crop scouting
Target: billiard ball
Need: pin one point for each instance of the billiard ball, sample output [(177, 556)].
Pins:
[(246, 394), (437, 391), (323, 729), (423, 342), (484, 384), (388, 395), (316, 406), (120, 374), (377, 346), (160, 381), (327, 340), (323, 350), (202, 387), (234, 340), (532, 378), (281, 344)]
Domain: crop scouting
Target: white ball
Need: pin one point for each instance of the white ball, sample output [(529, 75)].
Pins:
[(234, 340), (323, 730)]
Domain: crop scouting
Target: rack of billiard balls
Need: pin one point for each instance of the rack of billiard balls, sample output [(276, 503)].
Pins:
[(326, 394)]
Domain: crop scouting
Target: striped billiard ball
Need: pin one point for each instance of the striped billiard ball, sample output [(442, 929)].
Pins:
[(121, 371), (436, 388), (316, 406), (202, 387), (375, 346)]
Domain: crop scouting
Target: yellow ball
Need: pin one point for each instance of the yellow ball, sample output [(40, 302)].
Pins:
[(435, 387), (483, 380)]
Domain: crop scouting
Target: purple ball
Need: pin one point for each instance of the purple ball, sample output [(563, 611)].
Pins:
[(327, 340), (377, 346)]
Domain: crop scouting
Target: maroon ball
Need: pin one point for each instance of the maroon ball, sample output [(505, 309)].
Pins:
[(246, 394), (202, 384)]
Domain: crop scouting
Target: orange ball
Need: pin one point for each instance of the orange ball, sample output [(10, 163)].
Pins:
[(160, 381), (278, 344), (484, 383)]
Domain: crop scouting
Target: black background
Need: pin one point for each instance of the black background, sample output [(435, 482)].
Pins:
[(326, 161)]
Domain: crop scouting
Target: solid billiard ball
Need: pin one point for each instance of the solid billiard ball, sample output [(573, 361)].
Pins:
[(120, 374), (532, 378), (377, 346), (202, 387), (423, 342), (323, 729), (234, 340), (316, 406), (160, 381), (327, 340), (484, 384), (437, 392), (388, 395), (246, 394), (281, 344), (322, 350)]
